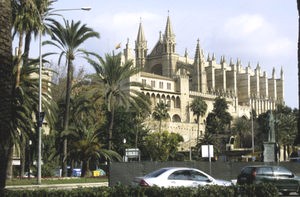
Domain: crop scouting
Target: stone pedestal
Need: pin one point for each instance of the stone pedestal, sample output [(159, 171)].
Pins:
[(269, 152)]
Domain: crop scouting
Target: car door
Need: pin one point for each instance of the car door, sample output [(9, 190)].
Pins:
[(264, 174), (199, 179), (180, 178)]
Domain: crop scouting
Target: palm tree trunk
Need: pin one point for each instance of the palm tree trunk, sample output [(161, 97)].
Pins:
[(67, 115), (85, 168), (198, 128), (22, 156), (298, 7), (26, 48), (6, 88), (19, 60), (110, 130)]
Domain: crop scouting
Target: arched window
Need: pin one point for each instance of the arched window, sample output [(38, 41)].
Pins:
[(176, 118), (177, 102)]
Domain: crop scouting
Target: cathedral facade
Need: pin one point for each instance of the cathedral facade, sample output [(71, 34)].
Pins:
[(177, 79)]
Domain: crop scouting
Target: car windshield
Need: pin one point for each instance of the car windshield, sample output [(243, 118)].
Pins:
[(156, 173)]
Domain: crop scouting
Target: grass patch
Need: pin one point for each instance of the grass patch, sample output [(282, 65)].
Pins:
[(48, 181)]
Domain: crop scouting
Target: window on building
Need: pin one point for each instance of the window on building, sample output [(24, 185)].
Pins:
[(153, 84), (169, 86), (144, 82), (161, 85)]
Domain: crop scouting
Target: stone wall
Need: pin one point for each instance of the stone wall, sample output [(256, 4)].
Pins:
[(124, 173)]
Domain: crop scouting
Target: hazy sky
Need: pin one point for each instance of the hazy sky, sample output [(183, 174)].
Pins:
[(263, 31)]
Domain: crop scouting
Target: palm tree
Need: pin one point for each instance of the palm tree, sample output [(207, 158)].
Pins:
[(160, 113), (40, 11), (22, 22), (242, 127), (199, 107), (87, 147), (115, 75), (25, 103), (26, 20), (6, 89), (286, 127), (68, 38)]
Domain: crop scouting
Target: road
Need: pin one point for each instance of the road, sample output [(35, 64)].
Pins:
[(56, 186)]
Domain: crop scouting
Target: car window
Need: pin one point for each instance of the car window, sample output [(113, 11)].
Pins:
[(198, 176), (180, 175), (156, 173), (266, 171), (282, 171), (247, 170)]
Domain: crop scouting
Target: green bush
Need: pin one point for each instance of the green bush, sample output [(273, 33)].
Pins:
[(265, 190)]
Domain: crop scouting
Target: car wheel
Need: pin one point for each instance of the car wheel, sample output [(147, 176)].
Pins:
[(286, 193)]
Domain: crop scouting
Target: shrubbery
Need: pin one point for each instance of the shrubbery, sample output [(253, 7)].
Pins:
[(265, 190)]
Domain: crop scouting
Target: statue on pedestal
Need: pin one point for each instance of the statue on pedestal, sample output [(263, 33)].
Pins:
[(271, 130), (270, 147)]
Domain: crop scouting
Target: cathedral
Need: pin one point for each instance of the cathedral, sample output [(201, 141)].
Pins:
[(177, 79)]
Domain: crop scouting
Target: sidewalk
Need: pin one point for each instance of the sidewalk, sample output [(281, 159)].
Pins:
[(56, 186)]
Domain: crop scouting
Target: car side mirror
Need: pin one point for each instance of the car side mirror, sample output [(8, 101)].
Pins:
[(292, 176), (209, 180)]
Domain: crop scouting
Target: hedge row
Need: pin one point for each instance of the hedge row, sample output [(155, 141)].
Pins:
[(265, 190)]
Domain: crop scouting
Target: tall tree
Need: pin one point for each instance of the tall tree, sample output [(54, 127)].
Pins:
[(298, 8), (6, 88), (162, 146), (25, 103), (286, 127), (160, 113), (115, 76), (68, 38), (87, 147), (242, 128), (218, 121), (41, 11), (199, 107), (22, 22)]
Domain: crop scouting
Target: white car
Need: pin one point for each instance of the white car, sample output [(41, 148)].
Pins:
[(178, 177)]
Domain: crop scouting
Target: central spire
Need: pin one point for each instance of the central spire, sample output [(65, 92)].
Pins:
[(169, 38), (169, 30), (141, 35)]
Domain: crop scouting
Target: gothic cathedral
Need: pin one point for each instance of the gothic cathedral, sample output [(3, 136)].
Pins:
[(177, 80)]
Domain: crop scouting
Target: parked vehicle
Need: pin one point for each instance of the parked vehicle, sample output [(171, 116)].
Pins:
[(282, 178), (178, 177)]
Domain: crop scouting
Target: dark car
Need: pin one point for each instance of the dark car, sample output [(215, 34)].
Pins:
[(282, 178)]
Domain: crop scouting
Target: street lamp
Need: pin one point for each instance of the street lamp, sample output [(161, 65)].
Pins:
[(40, 115), (252, 133), (124, 142)]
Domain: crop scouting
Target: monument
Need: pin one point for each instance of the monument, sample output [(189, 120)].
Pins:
[(270, 148)]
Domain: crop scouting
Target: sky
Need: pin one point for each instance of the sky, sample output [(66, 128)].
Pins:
[(256, 31)]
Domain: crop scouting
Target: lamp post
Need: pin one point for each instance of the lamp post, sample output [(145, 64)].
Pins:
[(124, 142), (40, 115), (252, 133)]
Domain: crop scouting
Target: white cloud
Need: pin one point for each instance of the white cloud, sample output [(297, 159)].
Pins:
[(252, 35), (126, 19), (245, 24)]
